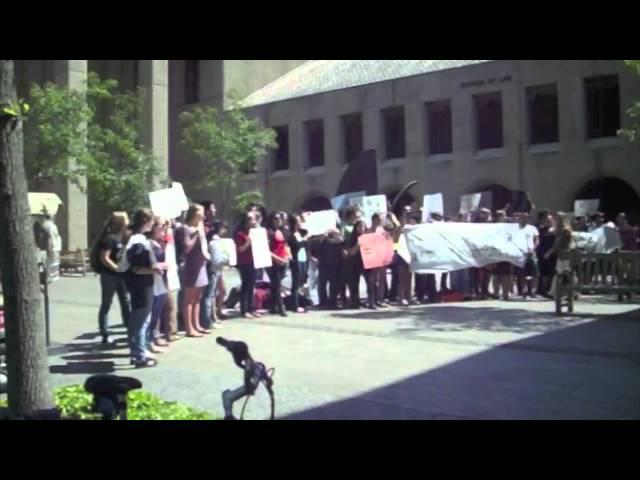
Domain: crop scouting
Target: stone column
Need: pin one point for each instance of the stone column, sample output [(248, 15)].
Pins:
[(154, 80), (72, 216)]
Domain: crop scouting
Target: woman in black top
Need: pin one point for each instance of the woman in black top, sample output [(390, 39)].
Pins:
[(297, 241), (107, 253)]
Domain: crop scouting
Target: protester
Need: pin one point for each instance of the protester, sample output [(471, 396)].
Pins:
[(481, 276), (280, 259), (209, 215), (194, 274), (528, 240), (327, 253), (106, 255), (347, 272), (245, 265), (502, 271), (169, 324), (628, 234), (140, 265), (160, 290), (562, 247), (353, 249), (597, 220), (218, 259), (546, 265), (55, 240), (378, 275), (297, 241)]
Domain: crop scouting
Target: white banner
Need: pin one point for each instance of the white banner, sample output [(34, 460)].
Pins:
[(432, 204), (342, 201), (583, 208), (260, 248), (601, 240), (370, 205), (163, 203), (456, 246), (319, 223)]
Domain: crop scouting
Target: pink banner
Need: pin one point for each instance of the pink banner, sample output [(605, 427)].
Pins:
[(376, 249)]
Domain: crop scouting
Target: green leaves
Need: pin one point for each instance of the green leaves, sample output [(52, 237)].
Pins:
[(93, 135), (75, 402), (633, 132), (227, 143)]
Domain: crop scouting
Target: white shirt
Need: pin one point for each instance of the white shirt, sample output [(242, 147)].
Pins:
[(54, 234), (159, 287), (173, 279), (526, 238)]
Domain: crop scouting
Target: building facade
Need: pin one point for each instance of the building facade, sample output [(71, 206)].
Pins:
[(548, 127)]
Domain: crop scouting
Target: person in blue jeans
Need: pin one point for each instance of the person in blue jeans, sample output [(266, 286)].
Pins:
[(106, 255), (140, 266)]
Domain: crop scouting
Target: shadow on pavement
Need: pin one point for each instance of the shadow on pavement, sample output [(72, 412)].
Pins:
[(443, 318), (80, 368), (586, 371)]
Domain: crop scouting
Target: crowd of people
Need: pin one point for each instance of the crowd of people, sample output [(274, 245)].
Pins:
[(168, 274)]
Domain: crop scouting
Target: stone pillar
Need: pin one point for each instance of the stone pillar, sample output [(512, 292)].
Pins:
[(154, 80), (72, 216)]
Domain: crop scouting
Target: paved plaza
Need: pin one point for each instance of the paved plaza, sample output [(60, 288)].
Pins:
[(472, 360)]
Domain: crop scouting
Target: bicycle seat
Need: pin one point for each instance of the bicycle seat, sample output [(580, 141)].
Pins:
[(111, 385)]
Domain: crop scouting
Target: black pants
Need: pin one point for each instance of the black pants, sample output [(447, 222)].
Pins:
[(328, 275), (354, 285), (372, 290), (276, 274), (393, 291), (426, 286), (297, 280), (113, 284), (248, 279)]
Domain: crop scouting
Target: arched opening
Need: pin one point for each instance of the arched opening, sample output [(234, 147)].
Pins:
[(500, 195), (316, 203), (615, 196)]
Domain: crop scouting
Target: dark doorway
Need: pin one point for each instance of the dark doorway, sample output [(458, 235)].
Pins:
[(615, 196), (500, 195)]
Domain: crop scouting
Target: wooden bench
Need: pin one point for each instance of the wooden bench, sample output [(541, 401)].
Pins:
[(74, 262), (598, 273)]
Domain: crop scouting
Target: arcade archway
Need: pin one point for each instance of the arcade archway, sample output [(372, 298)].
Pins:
[(615, 196), (316, 203)]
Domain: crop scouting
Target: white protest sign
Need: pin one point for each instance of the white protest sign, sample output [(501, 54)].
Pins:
[(260, 248), (181, 198), (469, 203), (319, 223), (163, 203), (432, 204), (403, 249), (584, 208), (342, 201), (229, 247), (456, 246), (370, 205)]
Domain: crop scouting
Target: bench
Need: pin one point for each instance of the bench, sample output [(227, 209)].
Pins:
[(74, 262), (615, 273)]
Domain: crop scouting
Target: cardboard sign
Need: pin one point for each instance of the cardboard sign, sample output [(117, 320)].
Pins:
[(39, 203), (475, 201), (228, 246), (180, 197), (376, 249), (260, 248), (163, 203), (432, 204), (319, 223), (342, 201), (584, 208), (370, 205)]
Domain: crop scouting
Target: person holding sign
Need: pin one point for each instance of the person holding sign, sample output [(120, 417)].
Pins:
[(194, 274), (379, 275), (353, 250), (245, 265), (280, 256)]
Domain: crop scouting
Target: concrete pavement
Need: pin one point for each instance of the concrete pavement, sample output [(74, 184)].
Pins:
[(481, 360)]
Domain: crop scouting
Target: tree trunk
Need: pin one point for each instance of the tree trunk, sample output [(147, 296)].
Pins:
[(28, 368)]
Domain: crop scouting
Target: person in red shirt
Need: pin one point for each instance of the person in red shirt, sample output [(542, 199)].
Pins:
[(280, 257), (246, 266), (628, 234)]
